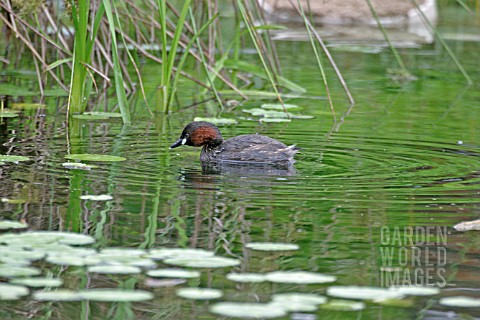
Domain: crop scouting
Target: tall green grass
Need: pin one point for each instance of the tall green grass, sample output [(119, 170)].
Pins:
[(84, 39)]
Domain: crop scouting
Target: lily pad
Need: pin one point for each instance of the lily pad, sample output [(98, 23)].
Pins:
[(9, 224), (173, 273), (272, 246), (416, 291), (9, 158), (199, 293), (343, 305), (12, 292), (115, 295), (10, 271), (164, 253), (103, 114), (57, 295), (217, 121), (94, 157), (460, 301), (203, 262), (100, 197), (8, 114), (13, 201), (274, 120), (72, 260), (114, 269), (38, 282), (363, 293), (28, 105), (121, 252), (467, 225), (248, 310), (89, 117), (246, 277), (280, 107), (38, 238), (78, 165), (94, 115), (298, 302), (300, 277)]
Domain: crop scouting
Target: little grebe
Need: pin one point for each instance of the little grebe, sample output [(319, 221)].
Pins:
[(247, 148)]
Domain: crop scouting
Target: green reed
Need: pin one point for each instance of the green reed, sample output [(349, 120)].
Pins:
[(84, 38), (169, 52)]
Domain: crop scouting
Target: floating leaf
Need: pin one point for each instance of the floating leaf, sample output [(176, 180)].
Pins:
[(100, 197), (105, 114), (203, 262), (9, 224), (416, 291), (13, 201), (28, 105), (97, 115), (8, 114), (37, 238), (94, 157), (363, 293), (19, 253), (248, 310), (78, 165), (9, 158), (38, 282), (58, 295), (10, 271), (343, 305), (273, 120), (304, 277), (114, 269), (246, 277), (279, 106), (298, 302), (199, 293), (89, 117), (272, 246), (467, 225), (173, 273), (115, 295), (12, 292), (72, 260), (164, 253), (217, 121), (460, 301), (121, 252)]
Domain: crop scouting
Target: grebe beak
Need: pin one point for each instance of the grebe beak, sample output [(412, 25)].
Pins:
[(178, 143)]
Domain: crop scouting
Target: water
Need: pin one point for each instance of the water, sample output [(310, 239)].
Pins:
[(402, 164)]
